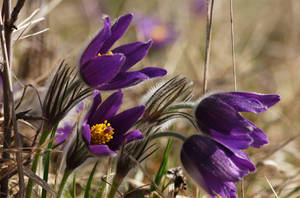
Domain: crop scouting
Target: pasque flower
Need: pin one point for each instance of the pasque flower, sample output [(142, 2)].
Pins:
[(150, 27), (105, 69), (104, 131), (218, 116), (214, 166)]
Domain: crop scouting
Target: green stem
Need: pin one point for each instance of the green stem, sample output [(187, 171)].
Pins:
[(169, 134), (63, 183), (47, 159), (74, 186), (115, 185), (181, 106), (35, 163)]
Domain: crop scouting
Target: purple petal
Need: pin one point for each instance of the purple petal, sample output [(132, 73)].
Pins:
[(247, 102), (209, 182), (213, 157), (214, 185), (222, 122), (243, 164), (95, 45), (80, 107), (134, 52), (125, 120), (134, 135), (213, 166), (86, 131), (101, 69), (116, 142), (124, 79), (101, 150), (258, 136), (96, 102), (117, 31), (213, 114), (235, 141), (120, 139), (63, 133), (107, 109), (96, 99), (153, 72)]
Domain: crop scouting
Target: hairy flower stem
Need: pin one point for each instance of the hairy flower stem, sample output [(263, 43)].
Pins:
[(36, 160), (63, 182), (169, 134), (117, 181)]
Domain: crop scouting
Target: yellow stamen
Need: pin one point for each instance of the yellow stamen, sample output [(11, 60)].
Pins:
[(107, 53), (159, 33), (101, 133)]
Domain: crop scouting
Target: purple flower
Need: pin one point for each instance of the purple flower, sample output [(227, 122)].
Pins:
[(104, 131), (67, 124), (218, 116), (105, 69), (149, 27), (213, 166)]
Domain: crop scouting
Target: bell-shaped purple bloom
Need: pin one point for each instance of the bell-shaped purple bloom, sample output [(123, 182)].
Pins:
[(218, 116), (105, 69), (105, 131), (213, 166), (150, 27)]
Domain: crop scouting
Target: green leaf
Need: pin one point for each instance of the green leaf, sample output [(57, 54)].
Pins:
[(163, 165), (74, 186), (88, 185), (47, 159)]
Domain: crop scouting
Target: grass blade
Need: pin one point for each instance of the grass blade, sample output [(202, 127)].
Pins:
[(74, 186), (163, 165), (88, 185), (47, 159)]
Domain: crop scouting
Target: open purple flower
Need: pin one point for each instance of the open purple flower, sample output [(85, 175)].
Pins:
[(105, 69), (150, 27), (218, 116), (213, 166), (104, 131)]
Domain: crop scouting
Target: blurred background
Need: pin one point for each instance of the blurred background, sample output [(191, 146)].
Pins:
[(267, 44)]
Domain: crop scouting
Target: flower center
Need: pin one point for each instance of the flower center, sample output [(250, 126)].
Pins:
[(107, 53), (101, 133), (159, 33)]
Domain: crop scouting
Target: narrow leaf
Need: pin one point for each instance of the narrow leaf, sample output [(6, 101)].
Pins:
[(74, 186), (47, 159), (163, 165), (88, 185)]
